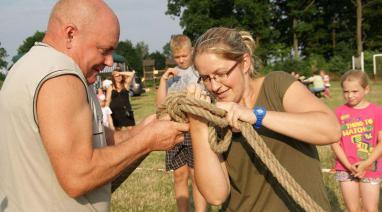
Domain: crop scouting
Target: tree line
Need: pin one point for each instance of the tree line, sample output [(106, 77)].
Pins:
[(134, 54), (291, 35)]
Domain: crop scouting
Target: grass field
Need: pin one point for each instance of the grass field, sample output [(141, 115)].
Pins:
[(150, 188)]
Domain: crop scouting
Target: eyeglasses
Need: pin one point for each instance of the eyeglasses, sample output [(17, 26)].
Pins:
[(206, 79)]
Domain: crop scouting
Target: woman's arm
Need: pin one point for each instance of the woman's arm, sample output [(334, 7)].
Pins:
[(127, 73), (306, 118), (128, 78), (211, 175), (210, 172), (108, 95)]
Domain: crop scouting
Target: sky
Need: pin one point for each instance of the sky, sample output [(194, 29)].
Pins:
[(140, 20)]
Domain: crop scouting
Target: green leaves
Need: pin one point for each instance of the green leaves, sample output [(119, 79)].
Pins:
[(132, 55), (321, 27), (3, 55), (29, 42)]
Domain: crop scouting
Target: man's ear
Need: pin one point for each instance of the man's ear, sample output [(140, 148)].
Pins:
[(70, 32)]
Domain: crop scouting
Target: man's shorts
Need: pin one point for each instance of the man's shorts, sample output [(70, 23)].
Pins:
[(180, 154), (344, 176)]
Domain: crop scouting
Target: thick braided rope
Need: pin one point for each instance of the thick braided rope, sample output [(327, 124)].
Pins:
[(177, 106)]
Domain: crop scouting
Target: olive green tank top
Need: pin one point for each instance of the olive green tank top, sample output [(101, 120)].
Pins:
[(253, 187)]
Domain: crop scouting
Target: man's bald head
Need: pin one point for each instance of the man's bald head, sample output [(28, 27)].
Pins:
[(86, 15), (85, 30)]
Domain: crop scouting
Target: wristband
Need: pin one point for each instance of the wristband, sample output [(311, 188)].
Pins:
[(260, 114)]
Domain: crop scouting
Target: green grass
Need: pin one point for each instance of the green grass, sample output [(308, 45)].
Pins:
[(150, 188)]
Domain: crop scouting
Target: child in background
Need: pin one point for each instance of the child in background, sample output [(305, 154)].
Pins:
[(107, 120), (100, 93), (358, 167), (180, 158), (326, 80), (317, 84)]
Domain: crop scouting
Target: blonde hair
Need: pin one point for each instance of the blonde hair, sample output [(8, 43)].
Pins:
[(229, 43), (179, 42), (354, 75)]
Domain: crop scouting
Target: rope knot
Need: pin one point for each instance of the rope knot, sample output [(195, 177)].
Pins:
[(177, 106)]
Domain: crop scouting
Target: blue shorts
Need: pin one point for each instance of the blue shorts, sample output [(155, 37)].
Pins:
[(315, 90)]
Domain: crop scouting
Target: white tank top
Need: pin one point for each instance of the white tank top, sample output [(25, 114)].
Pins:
[(27, 179)]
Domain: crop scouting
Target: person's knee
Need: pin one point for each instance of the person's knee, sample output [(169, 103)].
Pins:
[(370, 207), (181, 175), (353, 207)]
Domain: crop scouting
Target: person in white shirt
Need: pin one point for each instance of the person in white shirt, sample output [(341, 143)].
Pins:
[(107, 120)]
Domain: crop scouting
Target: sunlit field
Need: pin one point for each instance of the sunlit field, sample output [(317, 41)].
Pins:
[(149, 188)]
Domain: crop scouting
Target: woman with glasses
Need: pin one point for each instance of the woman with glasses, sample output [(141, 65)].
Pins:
[(286, 115)]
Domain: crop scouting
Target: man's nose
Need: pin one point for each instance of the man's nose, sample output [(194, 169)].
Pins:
[(109, 60)]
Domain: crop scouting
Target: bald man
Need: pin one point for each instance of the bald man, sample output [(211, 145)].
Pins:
[(55, 154)]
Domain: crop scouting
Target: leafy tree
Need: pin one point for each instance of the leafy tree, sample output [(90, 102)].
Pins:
[(338, 39), (160, 60), (29, 42), (126, 49), (142, 49), (254, 16), (296, 20), (372, 13), (196, 16), (3, 55), (338, 64), (308, 27), (2, 78), (167, 50), (300, 66)]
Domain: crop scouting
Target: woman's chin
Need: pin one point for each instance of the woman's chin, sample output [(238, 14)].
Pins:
[(224, 99)]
